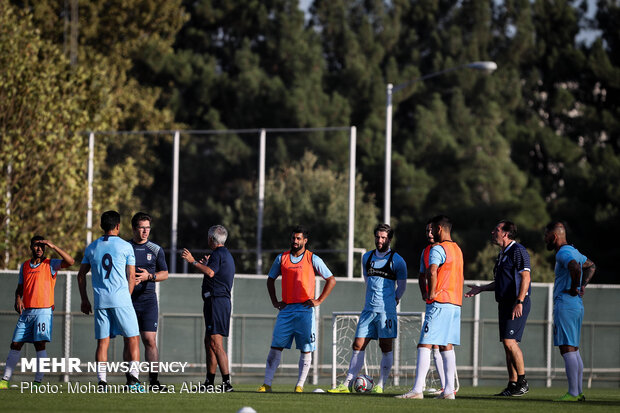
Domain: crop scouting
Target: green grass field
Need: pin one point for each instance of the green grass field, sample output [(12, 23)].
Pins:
[(283, 400)]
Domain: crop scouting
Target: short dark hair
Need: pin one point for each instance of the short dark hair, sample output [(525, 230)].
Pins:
[(140, 216), (109, 220), (554, 225), (443, 221), (300, 229), (509, 227), (384, 228), (34, 239)]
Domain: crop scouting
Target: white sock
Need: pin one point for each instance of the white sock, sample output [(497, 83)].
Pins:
[(580, 378), (571, 364), (439, 367), (273, 361), (39, 374), (449, 368), (305, 360), (101, 373), (355, 365), (421, 369), (386, 366), (11, 361), (134, 369)]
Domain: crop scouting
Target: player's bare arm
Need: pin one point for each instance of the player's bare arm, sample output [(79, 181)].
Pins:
[(271, 289), (431, 275), (422, 285), (130, 271), (575, 274), (477, 289), (19, 303), (588, 268), (67, 260), (330, 283), (517, 310), (81, 278)]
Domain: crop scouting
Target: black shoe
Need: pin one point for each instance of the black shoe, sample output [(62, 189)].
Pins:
[(227, 387), (520, 389), (208, 386), (102, 383), (508, 391), (156, 387)]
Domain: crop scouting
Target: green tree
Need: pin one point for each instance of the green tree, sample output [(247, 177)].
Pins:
[(299, 193), (43, 101)]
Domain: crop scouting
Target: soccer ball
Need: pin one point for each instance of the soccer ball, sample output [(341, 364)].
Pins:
[(363, 384)]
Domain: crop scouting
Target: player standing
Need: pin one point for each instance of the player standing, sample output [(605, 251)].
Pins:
[(442, 320), (385, 274), (424, 265), (112, 262), (511, 283), (573, 271), (298, 268), (34, 302), (219, 274), (151, 267)]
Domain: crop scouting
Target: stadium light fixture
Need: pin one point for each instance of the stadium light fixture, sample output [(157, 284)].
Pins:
[(484, 66)]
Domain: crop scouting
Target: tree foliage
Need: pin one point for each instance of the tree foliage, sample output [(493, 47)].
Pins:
[(536, 140)]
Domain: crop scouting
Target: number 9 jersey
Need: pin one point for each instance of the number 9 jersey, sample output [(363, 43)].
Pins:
[(108, 257)]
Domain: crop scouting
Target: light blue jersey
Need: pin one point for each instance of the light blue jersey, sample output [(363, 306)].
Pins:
[(437, 256), (317, 264), (381, 290), (563, 280), (108, 256)]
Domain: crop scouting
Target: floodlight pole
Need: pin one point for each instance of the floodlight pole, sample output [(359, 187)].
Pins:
[(486, 66)]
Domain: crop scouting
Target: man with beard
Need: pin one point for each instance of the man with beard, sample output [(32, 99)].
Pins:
[(573, 271), (384, 269), (296, 317), (442, 319), (511, 283), (424, 264)]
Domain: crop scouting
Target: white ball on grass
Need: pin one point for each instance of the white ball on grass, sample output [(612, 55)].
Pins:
[(246, 409)]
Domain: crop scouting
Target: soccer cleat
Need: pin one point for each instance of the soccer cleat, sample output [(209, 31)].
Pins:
[(227, 387), (446, 396), (341, 388), (156, 387), (377, 389), (299, 389), (264, 389), (135, 385), (4, 384), (569, 398), (520, 390), (508, 391), (410, 395), (582, 397)]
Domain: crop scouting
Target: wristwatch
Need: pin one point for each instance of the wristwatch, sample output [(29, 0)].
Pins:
[(194, 263), (519, 301)]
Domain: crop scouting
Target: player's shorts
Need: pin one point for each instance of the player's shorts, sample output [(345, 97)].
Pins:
[(298, 322), (377, 325), (509, 328), (567, 319), (216, 311), (147, 313), (442, 325), (33, 325), (110, 322)]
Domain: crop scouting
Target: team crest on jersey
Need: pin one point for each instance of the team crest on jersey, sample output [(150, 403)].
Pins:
[(149, 257)]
